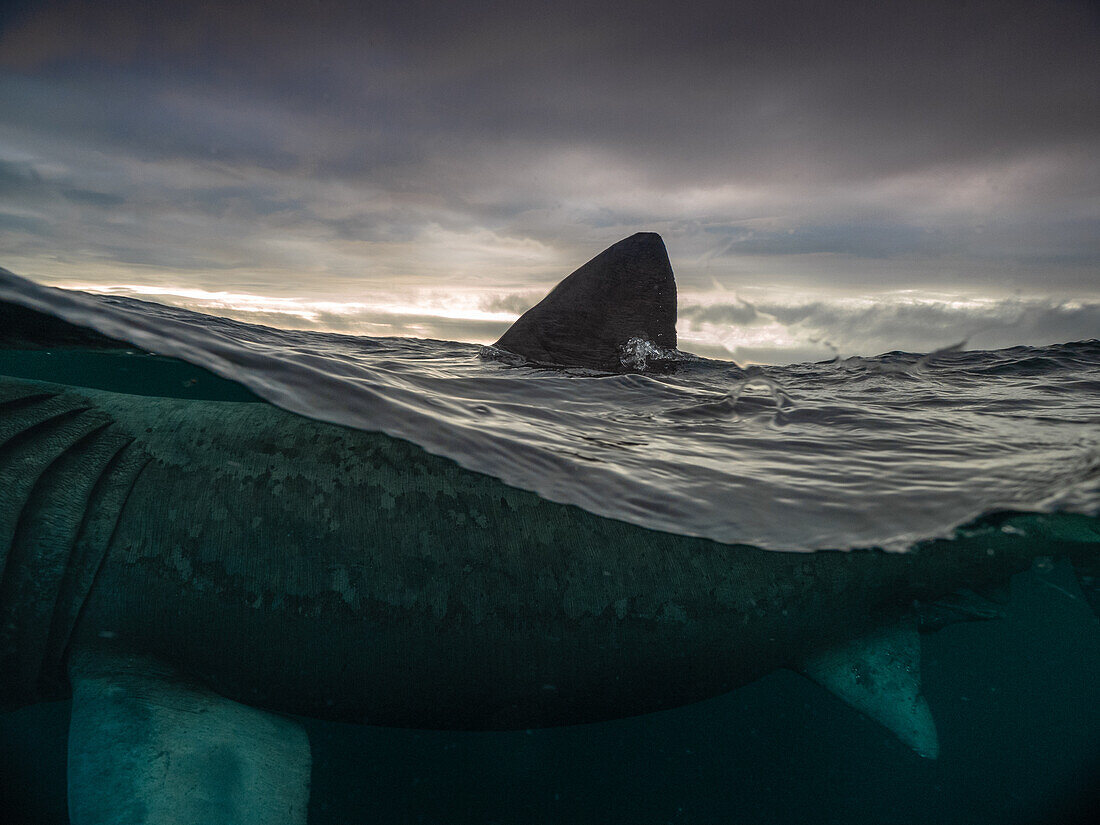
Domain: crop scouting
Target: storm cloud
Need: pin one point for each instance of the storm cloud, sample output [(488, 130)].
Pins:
[(379, 152), (823, 329)]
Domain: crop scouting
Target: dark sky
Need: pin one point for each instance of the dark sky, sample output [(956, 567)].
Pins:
[(880, 175)]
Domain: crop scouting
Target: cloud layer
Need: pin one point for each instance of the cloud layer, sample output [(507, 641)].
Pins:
[(822, 329), (383, 152)]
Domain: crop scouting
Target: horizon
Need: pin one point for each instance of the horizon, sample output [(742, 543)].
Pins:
[(827, 180)]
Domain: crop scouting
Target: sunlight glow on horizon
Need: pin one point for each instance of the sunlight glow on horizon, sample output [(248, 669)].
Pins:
[(248, 304)]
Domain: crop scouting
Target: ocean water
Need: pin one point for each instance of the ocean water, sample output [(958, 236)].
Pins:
[(886, 452), (860, 452)]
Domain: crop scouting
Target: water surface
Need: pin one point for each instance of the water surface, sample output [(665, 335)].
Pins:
[(859, 452)]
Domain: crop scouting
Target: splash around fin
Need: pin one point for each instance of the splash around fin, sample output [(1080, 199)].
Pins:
[(626, 292)]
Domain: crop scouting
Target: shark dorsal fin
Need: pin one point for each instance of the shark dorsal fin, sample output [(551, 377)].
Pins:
[(879, 675), (627, 291)]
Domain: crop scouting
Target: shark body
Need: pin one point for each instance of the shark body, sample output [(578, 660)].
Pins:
[(189, 570), (306, 568)]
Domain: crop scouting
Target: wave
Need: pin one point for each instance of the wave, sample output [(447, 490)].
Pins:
[(862, 452)]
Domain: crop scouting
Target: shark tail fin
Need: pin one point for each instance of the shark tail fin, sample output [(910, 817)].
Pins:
[(879, 675)]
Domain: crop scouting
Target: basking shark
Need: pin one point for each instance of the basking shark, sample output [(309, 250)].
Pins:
[(193, 574)]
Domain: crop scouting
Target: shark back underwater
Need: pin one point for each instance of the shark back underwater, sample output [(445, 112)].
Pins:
[(188, 571)]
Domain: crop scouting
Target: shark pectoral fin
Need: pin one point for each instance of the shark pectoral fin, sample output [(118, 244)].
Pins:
[(879, 675), (147, 747)]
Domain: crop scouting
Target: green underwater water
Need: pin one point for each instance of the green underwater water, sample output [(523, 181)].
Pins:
[(1016, 700), (124, 371)]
